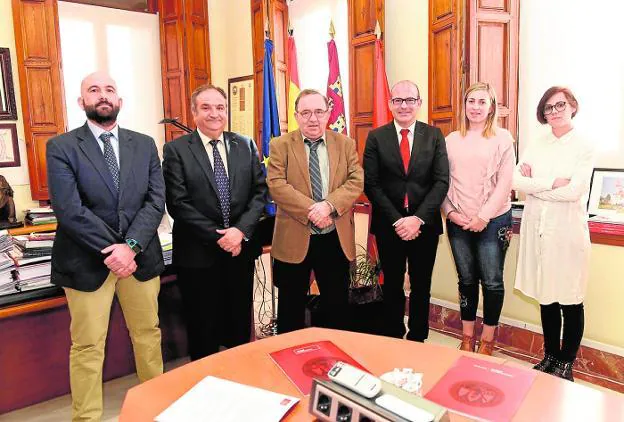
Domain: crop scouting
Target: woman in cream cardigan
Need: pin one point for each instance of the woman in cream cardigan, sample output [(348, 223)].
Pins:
[(555, 174)]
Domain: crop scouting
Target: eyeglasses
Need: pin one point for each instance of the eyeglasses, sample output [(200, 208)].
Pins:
[(306, 114), (559, 106), (410, 101)]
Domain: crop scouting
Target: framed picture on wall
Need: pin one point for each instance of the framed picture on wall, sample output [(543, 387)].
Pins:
[(8, 108), (241, 105), (606, 197), (9, 150)]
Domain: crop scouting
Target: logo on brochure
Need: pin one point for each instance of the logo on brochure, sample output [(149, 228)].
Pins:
[(477, 393), (319, 367)]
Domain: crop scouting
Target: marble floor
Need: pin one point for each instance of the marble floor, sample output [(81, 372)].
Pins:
[(59, 409)]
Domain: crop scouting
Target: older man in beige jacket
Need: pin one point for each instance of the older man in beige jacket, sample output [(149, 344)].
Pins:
[(314, 177)]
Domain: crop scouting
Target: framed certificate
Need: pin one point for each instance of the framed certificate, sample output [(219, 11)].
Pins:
[(606, 198), (241, 105)]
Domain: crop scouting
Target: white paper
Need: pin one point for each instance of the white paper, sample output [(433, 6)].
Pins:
[(216, 399)]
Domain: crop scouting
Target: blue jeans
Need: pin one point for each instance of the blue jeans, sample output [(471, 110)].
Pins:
[(481, 256)]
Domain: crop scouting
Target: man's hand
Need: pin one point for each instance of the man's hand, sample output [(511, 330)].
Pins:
[(320, 213), (475, 225), (408, 228), (525, 170), (231, 239), (237, 250), (458, 218), (560, 182), (121, 259)]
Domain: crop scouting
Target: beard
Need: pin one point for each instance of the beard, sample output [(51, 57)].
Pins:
[(99, 116)]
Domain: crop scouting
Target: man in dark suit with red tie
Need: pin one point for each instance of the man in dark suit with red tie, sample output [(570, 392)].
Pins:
[(216, 192), (406, 177)]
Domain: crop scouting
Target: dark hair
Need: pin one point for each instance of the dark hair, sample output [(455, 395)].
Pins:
[(307, 92), (549, 93), (205, 87)]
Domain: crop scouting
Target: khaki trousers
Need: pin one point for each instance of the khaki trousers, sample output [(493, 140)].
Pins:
[(90, 315)]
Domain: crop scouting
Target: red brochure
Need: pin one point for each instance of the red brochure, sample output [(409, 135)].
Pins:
[(483, 390), (304, 362)]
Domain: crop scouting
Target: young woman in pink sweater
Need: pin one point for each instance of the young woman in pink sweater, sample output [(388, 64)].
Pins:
[(478, 210)]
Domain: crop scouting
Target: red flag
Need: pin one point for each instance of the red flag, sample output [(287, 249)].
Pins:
[(293, 88), (381, 112), (337, 121)]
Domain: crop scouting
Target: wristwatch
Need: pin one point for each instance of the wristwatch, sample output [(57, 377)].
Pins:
[(134, 245)]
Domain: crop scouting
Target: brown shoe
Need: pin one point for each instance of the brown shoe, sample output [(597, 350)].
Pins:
[(486, 347), (467, 344)]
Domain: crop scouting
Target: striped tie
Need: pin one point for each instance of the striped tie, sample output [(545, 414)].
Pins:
[(223, 183), (110, 158), (315, 175)]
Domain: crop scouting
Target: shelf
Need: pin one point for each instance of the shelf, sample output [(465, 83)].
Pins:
[(28, 229)]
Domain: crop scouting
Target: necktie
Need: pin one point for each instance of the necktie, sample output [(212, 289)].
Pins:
[(223, 183), (315, 175), (110, 158), (405, 155)]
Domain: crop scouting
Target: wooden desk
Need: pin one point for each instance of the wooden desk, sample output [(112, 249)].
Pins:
[(28, 229), (550, 398)]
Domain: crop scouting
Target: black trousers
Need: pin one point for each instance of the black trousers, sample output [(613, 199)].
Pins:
[(573, 327), (331, 269), (218, 303), (420, 254)]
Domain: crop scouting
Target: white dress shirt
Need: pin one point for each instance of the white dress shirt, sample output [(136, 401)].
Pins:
[(114, 140), (410, 134), (221, 147)]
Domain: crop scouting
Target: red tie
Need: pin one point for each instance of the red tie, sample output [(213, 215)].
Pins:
[(405, 155)]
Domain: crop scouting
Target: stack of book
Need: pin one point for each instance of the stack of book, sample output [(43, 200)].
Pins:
[(37, 216), (7, 279), (32, 255), (6, 242)]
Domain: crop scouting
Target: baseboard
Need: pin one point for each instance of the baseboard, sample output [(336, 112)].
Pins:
[(609, 348), (598, 363)]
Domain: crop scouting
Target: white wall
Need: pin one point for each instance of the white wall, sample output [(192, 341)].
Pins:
[(407, 45), (310, 21), (231, 54), (578, 47), (127, 45)]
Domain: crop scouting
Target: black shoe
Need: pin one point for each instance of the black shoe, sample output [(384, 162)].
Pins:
[(563, 370), (546, 365)]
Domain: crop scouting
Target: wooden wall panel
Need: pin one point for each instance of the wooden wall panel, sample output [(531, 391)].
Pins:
[(185, 57), (363, 16), (280, 35), (446, 76), (493, 34), (277, 24), (38, 53), (441, 9)]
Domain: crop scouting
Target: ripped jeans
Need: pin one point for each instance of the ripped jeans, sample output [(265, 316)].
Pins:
[(481, 257)]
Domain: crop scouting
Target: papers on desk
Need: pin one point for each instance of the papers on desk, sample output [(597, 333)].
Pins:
[(216, 399)]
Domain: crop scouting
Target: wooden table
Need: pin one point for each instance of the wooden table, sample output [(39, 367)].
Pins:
[(549, 399)]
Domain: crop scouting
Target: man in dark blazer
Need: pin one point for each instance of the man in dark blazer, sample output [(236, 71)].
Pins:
[(406, 177), (216, 193), (108, 193)]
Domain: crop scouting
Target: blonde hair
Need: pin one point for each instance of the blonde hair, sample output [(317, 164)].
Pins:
[(491, 123)]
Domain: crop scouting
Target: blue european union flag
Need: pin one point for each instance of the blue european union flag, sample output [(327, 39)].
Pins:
[(270, 115)]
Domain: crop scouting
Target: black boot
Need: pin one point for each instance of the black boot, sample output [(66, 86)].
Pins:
[(563, 370), (546, 365)]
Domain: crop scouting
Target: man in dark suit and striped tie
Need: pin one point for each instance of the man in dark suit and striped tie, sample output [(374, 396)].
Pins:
[(108, 193), (216, 192)]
